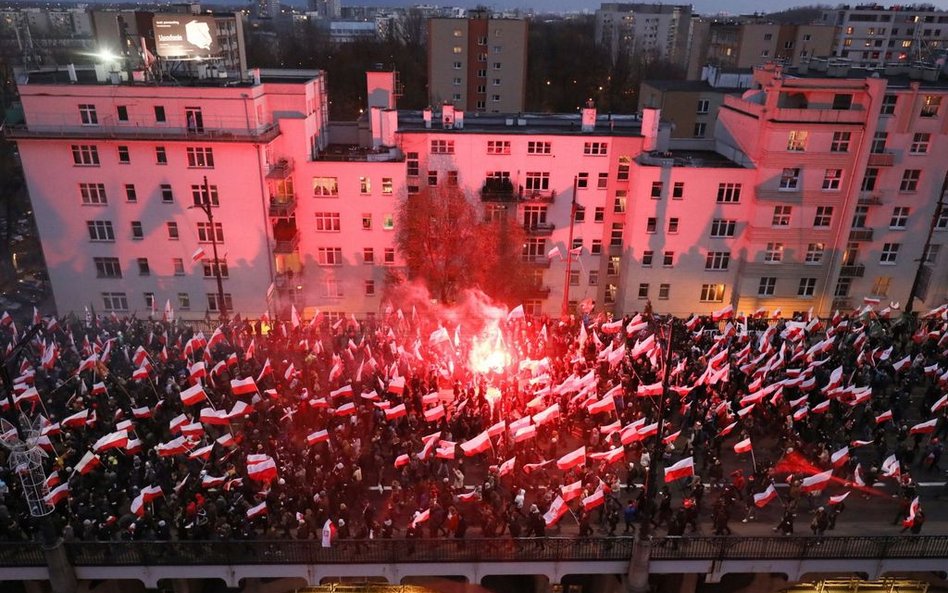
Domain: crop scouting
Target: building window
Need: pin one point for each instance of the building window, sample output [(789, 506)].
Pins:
[(367, 221), (767, 286), (131, 195), (325, 187), (389, 256), (167, 195), (411, 162), (663, 291), (651, 224), (878, 142), (213, 303), (930, 105), (700, 130), (781, 216), (143, 269), (432, 178), (941, 221), (121, 112), (594, 277), (537, 181), (442, 147), (717, 260), (790, 179), (149, 300), (177, 264), (899, 218), (388, 222), (123, 155), (673, 225), (107, 267), (712, 293), (368, 255), (774, 253), (365, 185), (931, 254), (824, 216), (615, 238), (722, 228), (93, 194), (657, 189), (160, 114), (205, 235), (329, 256), (200, 157), (880, 287), (577, 244), (387, 186), (603, 182), (619, 203), (832, 179), (574, 277), (534, 147), (668, 259), (137, 230), (498, 147), (100, 230), (814, 253), (88, 115), (842, 101), (807, 287), (890, 252), (870, 179), (85, 155), (647, 257), (328, 222), (703, 106), (888, 104), (580, 215), (595, 247), (729, 193), (859, 217), (643, 290), (678, 190), (596, 148), (370, 288), (920, 143), (114, 301), (842, 288), (496, 65), (212, 267), (910, 179), (622, 173), (796, 140), (840, 142), (184, 301), (456, 65)]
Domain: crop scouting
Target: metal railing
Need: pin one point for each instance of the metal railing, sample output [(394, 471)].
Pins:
[(550, 549)]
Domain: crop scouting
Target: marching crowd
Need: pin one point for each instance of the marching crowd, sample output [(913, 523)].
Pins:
[(331, 429)]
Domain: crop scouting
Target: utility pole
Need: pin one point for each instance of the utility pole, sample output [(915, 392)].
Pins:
[(206, 206), (916, 283), (569, 247)]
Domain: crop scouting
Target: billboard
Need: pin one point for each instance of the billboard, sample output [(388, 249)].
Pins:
[(185, 36)]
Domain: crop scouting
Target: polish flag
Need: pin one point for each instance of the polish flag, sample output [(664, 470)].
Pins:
[(177, 422), (396, 412), (649, 390), (240, 410), (213, 481), (570, 460), (941, 403), (202, 452), (77, 420), (761, 499), (671, 438), (99, 389), (197, 371), (571, 491), (857, 444), (320, 436), (682, 469), (434, 414), (192, 395), (140, 374), (743, 446), (421, 517), (115, 440), (213, 417), (344, 391), (924, 427), (150, 493), (266, 369), (506, 467), (606, 404), (397, 385), (430, 398), (540, 418), (728, 429), (264, 471), (524, 433), (346, 409), (226, 440), (839, 458), (476, 445), (838, 498), (801, 413), (257, 511), (609, 457), (173, 447), (594, 500), (401, 461), (57, 495), (89, 462), (914, 508), (53, 480), (198, 255), (725, 313), (648, 430), (558, 508), (497, 429), (884, 417), (243, 386), (821, 407), (817, 482), (194, 429), (901, 364)]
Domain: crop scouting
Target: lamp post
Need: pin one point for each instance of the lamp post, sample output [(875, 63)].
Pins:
[(921, 270), (205, 205)]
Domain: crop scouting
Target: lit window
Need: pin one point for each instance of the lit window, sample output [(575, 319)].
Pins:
[(814, 253), (796, 140), (325, 187), (712, 293)]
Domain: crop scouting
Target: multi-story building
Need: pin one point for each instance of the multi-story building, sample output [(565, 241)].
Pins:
[(36, 37), (653, 31), (820, 191), (748, 43), (873, 35), (478, 63)]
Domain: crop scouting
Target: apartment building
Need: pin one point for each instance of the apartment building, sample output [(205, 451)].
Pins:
[(478, 63), (747, 43), (874, 35), (652, 31)]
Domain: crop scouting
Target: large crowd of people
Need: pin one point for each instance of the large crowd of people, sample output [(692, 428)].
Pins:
[(333, 428)]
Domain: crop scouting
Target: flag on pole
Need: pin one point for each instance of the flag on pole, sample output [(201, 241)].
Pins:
[(682, 469)]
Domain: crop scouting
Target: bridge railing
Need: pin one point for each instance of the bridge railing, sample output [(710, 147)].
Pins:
[(396, 551)]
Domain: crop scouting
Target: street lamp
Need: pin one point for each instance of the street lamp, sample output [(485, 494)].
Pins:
[(205, 205)]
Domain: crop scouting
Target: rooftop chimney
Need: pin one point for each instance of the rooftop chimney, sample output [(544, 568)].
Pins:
[(426, 114), (589, 116)]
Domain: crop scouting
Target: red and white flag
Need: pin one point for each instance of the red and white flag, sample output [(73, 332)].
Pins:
[(257, 511), (914, 509), (114, 440), (77, 420), (816, 482), (396, 412), (476, 445), (89, 462), (264, 471), (743, 446), (401, 460), (571, 491), (649, 390), (839, 458), (524, 433), (243, 386), (193, 395), (762, 498), (924, 427), (558, 508), (570, 460), (884, 417), (173, 447), (606, 404), (683, 469), (320, 436), (57, 495), (594, 500), (202, 452), (346, 409), (434, 414), (838, 498), (198, 255)]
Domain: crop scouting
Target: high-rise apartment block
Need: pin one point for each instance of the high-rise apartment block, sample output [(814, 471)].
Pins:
[(478, 63), (873, 35), (820, 191), (653, 31)]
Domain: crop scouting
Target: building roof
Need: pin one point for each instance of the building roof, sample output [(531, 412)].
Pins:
[(687, 158), (87, 76), (696, 86), (524, 123), (901, 76)]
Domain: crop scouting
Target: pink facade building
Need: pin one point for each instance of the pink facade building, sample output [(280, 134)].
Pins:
[(804, 203)]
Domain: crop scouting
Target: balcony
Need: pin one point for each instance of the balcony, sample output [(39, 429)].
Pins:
[(540, 229), (540, 292), (860, 235), (212, 130), (498, 190), (881, 159), (282, 206), (536, 261), (869, 200), (788, 115), (286, 242), (358, 153), (544, 197), (280, 169), (853, 271)]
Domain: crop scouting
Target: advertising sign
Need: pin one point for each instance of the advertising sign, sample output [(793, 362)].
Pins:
[(185, 36)]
